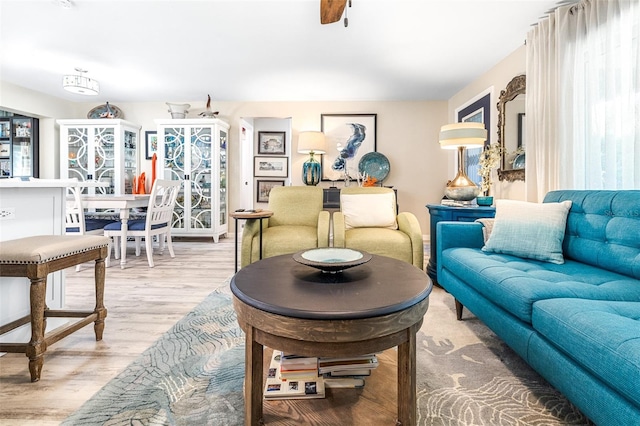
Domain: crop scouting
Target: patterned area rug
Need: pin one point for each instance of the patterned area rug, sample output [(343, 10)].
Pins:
[(193, 375)]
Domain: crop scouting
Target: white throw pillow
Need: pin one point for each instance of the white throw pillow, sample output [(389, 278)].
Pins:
[(529, 230), (369, 210)]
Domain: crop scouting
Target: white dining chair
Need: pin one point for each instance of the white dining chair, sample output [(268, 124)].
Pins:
[(157, 223), (75, 221)]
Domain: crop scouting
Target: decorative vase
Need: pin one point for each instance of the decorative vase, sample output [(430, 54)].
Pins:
[(178, 110), (484, 200)]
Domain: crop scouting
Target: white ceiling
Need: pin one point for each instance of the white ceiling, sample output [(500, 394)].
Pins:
[(260, 50)]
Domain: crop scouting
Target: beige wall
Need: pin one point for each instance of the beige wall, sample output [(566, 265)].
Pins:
[(407, 132), (497, 78)]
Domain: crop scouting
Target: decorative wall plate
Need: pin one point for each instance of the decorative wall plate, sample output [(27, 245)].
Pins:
[(332, 260), (519, 161), (104, 111), (375, 165)]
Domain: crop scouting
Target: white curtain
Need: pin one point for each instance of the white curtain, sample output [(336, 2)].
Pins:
[(583, 98)]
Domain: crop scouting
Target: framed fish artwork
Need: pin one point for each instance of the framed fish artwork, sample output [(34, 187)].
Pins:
[(348, 138)]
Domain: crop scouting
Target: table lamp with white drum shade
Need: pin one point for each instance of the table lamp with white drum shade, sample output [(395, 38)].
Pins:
[(461, 136)]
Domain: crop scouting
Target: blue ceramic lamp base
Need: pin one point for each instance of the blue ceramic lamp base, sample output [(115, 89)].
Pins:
[(311, 171)]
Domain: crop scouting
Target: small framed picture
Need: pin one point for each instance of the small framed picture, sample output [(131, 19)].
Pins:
[(151, 143), (272, 143), (271, 167), (264, 188)]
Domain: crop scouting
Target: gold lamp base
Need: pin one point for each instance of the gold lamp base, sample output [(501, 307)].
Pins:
[(461, 188)]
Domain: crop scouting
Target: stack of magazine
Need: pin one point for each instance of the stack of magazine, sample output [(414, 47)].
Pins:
[(348, 372), (297, 377), (300, 382)]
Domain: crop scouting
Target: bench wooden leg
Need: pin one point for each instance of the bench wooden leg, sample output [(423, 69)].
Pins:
[(99, 274), (37, 346)]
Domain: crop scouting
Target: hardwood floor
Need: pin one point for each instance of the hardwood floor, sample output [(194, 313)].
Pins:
[(142, 304)]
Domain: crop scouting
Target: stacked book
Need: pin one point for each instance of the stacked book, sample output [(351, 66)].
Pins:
[(292, 377), (348, 372), (297, 377), (297, 367)]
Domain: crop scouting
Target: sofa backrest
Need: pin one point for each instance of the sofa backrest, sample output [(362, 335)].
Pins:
[(603, 228)]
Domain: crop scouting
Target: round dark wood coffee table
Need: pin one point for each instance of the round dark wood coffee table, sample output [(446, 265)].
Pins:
[(295, 308)]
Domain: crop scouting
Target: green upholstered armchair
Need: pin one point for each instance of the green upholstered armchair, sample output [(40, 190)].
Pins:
[(298, 223), (368, 221)]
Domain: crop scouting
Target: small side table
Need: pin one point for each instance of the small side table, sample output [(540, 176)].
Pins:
[(262, 214), (439, 212)]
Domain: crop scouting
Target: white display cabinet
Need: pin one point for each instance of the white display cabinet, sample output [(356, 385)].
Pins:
[(195, 151), (105, 150)]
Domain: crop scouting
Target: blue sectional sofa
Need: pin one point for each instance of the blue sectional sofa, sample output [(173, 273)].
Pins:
[(576, 323)]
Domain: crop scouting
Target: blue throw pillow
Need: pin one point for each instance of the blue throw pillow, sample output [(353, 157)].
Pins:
[(529, 230)]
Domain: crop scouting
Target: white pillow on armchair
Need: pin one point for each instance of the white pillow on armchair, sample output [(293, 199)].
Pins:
[(369, 210)]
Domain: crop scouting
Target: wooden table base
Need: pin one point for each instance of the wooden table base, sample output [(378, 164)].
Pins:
[(397, 329)]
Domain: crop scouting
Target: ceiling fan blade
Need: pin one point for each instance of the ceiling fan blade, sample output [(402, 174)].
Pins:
[(331, 10)]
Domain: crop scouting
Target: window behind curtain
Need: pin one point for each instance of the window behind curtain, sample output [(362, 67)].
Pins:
[(599, 96)]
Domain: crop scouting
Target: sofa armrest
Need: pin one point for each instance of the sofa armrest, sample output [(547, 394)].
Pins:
[(324, 219), (458, 234), (408, 223), (339, 235), (251, 229)]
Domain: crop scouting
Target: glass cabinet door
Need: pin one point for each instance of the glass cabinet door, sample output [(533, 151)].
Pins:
[(5, 148), (130, 161), (174, 156), (79, 153), (223, 179), (200, 177), (104, 158), (22, 154)]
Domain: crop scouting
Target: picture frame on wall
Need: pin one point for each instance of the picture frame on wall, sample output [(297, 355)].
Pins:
[(348, 138), (476, 111), (271, 166), (264, 188), (272, 143), (150, 143)]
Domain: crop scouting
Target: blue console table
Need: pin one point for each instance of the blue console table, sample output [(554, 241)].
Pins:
[(439, 212)]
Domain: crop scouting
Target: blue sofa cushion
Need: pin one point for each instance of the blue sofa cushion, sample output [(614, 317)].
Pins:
[(603, 229), (515, 284), (132, 225), (529, 230), (602, 336)]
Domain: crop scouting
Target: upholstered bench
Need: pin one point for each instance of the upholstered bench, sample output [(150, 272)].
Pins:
[(35, 258)]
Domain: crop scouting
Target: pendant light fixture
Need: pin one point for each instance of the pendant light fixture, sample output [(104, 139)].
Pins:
[(80, 84)]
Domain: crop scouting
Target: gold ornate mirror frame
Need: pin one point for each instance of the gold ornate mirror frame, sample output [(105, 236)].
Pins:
[(516, 86)]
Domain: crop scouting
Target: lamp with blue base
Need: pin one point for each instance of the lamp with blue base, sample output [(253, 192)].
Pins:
[(311, 142)]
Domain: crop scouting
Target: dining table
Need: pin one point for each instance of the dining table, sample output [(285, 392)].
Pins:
[(123, 203)]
